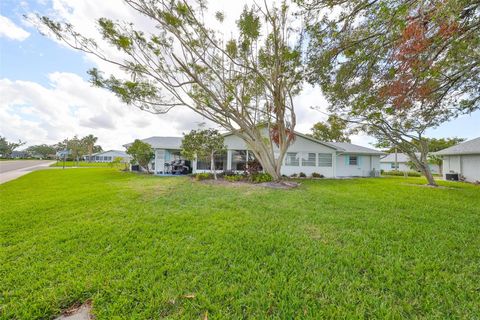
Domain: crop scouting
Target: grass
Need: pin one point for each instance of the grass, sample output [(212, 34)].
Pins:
[(143, 247), (85, 164)]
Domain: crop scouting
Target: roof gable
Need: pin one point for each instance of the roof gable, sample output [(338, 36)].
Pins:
[(467, 147)]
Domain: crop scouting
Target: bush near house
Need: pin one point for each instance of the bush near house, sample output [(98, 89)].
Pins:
[(260, 177), (234, 178), (202, 176), (317, 175), (402, 173)]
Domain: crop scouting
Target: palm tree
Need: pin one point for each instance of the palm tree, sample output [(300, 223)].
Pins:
[(89, 142)]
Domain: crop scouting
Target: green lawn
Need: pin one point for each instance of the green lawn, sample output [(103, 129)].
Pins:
[(86, 164), (143, 247)]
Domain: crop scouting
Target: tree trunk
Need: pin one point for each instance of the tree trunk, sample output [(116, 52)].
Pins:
[(212, 165), (266, 157), (422, 165), (428, 174)]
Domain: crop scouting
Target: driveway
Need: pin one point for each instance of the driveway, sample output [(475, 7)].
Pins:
[(13, 169)]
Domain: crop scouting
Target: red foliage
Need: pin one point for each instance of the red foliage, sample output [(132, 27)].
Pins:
[(414, 54), (275, 134)]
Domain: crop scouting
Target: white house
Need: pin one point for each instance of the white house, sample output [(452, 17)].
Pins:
[(387, 163), (305, 155), (109, 156), (463, 159)]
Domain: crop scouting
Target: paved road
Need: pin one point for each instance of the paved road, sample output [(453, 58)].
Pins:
[(13, 169)]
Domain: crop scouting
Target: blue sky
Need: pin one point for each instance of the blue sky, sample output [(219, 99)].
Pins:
[(45, 95)]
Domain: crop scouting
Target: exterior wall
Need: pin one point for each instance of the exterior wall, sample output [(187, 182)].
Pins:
[(301, 146), (471, 167), (387, 166), (363, 168), (467, 165), (451, 164)]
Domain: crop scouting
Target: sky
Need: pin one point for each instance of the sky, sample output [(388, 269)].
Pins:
[(45, 95)]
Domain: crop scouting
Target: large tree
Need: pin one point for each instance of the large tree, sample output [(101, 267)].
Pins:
[(6, 147), (333, 130), (238, 81), (396, 68), (201, 144)]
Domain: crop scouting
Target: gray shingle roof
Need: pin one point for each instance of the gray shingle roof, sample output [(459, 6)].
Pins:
[(118, 152), (162, 142), (353, 148), (176, 142), (467, 147), (401, 157)]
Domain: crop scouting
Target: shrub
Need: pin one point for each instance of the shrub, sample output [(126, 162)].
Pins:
[(317, 175), (260, 177), (253, 167), (401, 173), (203, 176), (229, 173), (293, 175), (302, 175), (234, 178)]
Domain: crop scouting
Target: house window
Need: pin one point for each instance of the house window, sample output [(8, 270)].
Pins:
[(97, 158), (324, 159), (203, 164), (239, 160), (221, 161), (206, 163), (353, 160), (292, 159), (308, 160), (392, 165)]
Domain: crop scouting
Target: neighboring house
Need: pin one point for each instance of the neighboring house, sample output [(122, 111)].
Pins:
[(387, 163), (306, 155), (463, 158), (108, 156), (19, 154)]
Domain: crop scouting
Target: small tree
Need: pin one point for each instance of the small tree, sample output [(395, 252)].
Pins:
[(333, 130), (203, 144), (142, 153)]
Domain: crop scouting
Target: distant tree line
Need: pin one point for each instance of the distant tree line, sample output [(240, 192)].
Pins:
[(76, 148)]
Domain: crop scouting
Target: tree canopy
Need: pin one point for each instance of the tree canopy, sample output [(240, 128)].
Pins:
[(142, 153), (203, 144), (396, 68), (334, 130), (237, 81)]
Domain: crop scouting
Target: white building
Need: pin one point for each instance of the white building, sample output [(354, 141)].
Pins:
[(109, 156), (305, 155), (387, 163), (463, 159)]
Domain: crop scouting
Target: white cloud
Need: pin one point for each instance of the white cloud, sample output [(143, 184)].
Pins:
[(71, 106), (8, 29)]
